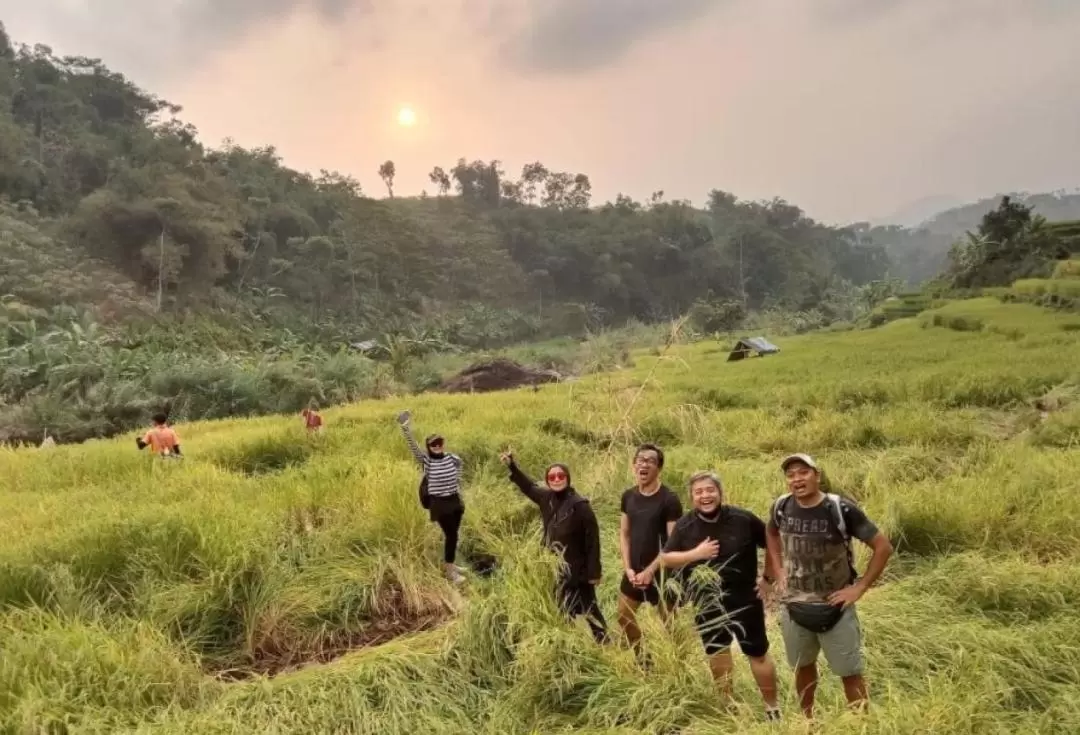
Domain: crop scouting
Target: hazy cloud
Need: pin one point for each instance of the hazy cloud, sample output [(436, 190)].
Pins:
[(848, 108), (578, 35), (159, 38), (944, 15)]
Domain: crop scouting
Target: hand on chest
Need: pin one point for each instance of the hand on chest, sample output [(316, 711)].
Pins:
[(732, 541)]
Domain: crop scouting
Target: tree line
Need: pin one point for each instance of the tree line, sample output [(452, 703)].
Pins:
[(141, 266), (111, 174)]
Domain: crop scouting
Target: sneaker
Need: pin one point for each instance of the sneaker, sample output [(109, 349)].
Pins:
[(454, 575), (772, 715), (460, 570)]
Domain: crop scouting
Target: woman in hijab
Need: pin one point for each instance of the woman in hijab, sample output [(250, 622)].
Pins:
[(570, 530), (441, 488)]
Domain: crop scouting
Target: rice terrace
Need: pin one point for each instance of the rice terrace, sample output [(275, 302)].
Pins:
[(445, 419), (147, 596)]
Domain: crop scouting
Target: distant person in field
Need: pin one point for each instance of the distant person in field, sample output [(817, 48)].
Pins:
[(313, 422), (809, 538), (442, 486), (649, 512), (570, 530), (161, 438), (729, 594)]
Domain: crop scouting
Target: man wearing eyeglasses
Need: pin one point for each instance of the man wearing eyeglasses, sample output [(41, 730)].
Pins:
[(649, 512)]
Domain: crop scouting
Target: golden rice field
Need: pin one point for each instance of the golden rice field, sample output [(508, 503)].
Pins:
[(218, 594)]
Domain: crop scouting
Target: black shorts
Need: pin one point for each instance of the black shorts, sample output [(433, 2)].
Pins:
[(743, 622), (650, 594)]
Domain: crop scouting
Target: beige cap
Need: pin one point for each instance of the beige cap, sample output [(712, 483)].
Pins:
[(806, 459)]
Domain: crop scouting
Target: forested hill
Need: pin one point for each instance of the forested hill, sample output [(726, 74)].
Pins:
[(92, 168), (919, 253), (141, 268)]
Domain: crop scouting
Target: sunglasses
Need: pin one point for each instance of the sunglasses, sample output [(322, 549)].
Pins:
[(556, 476)]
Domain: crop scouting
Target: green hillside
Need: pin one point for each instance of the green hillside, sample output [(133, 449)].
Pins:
[(138, 595)]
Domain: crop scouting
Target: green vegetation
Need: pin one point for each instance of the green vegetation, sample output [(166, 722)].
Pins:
[(920, 253), (139, 595), (143, 268)]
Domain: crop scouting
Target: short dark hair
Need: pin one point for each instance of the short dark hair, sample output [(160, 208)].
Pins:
[(160, 418), (651, 447)]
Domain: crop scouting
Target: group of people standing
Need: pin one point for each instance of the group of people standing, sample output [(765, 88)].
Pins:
[(707, 556)]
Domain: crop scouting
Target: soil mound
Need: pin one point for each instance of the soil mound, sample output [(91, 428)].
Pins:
[(498, 374)]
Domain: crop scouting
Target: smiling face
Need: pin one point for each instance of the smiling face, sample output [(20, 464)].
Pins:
[(646, 467), (803, 481), (706, 495), (557, 479)]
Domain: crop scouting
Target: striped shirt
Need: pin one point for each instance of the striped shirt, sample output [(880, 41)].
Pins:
[(443, 473)]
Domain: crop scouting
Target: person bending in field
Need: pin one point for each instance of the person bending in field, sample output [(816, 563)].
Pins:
[(161, 438), (312, 420), (649, 512), (570, 530), (442, 475), (809, 538), (728, 595)]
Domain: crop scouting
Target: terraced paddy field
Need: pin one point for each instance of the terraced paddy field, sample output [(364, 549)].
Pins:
[(274, 583)]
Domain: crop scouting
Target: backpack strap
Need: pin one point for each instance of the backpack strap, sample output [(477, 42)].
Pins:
[(838, 507), (837, 504), (778, 510), (835, 501)]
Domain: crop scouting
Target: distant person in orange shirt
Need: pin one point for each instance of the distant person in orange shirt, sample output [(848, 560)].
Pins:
[(161, 439), (312, 419)]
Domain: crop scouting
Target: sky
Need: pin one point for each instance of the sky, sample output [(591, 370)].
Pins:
[(851, 109)]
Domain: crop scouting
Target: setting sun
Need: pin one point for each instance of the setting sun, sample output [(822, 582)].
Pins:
[(406, 117)]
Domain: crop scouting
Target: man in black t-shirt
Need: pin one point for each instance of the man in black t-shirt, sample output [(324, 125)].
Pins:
[(649, 512), (715, 547)]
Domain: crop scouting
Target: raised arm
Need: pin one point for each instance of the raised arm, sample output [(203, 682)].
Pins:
[(530, 489), (404, 420)]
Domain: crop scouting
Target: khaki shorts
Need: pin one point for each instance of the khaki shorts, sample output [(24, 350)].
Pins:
[(842, 645)]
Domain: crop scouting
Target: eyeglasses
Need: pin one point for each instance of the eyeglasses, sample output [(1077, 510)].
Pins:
[(556, 476)]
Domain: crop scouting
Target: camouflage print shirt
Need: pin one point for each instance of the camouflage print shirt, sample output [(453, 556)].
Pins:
[(816, 559)]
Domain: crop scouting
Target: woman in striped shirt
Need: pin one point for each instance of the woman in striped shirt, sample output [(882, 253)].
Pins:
[(443, 474)]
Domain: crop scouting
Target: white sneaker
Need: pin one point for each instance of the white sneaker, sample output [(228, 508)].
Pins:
[(454, 575)]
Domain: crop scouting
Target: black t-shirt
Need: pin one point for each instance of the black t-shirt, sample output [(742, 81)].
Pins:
[(649, 516), (740, 534)]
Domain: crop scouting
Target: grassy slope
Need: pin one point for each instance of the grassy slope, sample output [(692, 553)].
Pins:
[(123, 578)]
